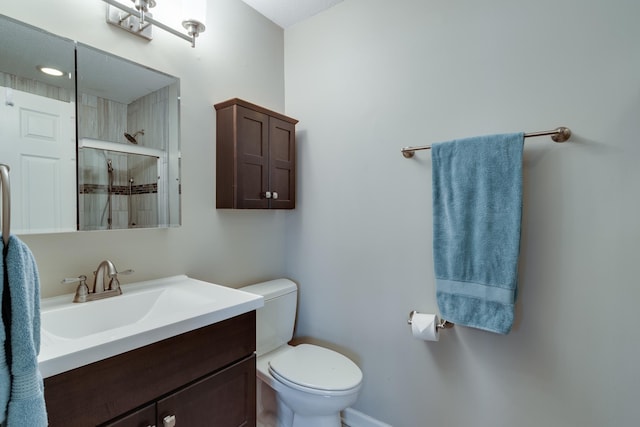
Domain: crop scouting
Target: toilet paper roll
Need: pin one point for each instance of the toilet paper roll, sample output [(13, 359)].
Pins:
[(423, 327)]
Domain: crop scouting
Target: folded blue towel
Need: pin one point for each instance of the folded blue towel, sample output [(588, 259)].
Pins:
[(477, 207), (5, 376), (26, 401)]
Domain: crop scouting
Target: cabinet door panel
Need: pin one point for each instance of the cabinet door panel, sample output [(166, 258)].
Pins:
[(144, 417), (253, 157), (281, 178), (281, 138), (226, 399), (252, 185), (282, 153)]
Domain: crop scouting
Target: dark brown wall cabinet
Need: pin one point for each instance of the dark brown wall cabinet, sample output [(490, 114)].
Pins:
[(255, 157), (203, 378)]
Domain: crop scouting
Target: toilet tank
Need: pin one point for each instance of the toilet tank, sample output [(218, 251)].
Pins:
[(274, 321)]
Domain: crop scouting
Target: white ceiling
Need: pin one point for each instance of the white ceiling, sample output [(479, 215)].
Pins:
[(288, 12)]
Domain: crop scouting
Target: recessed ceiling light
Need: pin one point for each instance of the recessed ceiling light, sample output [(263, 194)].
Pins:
[(50, 71)]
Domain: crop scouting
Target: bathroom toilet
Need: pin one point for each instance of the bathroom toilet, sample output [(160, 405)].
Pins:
[(297, 386)]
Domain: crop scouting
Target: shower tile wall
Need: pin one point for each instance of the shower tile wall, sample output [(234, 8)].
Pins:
[(101, 119), (134, 190), (143, 200), (150, 113), (134, 205)]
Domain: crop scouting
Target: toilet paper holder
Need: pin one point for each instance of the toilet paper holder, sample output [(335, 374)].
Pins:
[(442, 324)]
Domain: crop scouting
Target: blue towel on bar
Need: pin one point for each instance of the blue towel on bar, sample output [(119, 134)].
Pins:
[(26, 400), (5, 375), (477, 208)]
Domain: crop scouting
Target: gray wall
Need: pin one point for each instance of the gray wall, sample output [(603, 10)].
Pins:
[(239, 55), (365, 79), (368, 77)]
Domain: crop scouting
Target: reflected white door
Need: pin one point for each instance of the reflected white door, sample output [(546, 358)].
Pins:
[(37, 141)]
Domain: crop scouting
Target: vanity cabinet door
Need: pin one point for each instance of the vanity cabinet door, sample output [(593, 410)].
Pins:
[(224, 399), (144, 417)]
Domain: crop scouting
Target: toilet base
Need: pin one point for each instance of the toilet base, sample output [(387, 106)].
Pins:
[(287, 418), (325, 421), (273, 412)]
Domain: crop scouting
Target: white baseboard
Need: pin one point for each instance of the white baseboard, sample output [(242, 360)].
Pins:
[(353, 418)]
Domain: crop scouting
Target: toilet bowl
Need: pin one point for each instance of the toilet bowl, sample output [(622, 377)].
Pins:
[(298, 386), (312, 384)]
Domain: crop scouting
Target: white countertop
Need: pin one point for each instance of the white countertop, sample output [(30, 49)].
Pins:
[(76, 334)]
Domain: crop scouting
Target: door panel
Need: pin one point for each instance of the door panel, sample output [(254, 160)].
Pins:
[(39, 146)]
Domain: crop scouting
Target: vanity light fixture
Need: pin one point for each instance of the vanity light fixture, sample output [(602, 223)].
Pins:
[(139, 21)]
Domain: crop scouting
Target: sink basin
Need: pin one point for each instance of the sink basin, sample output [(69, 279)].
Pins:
[(75, 334), (81, 320)]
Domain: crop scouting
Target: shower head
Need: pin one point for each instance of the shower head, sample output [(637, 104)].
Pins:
[(132, 138)]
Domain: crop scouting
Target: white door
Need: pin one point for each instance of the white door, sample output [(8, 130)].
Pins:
[(37, 141)]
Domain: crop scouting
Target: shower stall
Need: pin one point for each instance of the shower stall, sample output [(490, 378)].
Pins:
[(118, 189)]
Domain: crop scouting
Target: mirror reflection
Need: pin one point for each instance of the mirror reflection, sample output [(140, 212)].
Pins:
[(104, 157), (37, 127), (127, 144)]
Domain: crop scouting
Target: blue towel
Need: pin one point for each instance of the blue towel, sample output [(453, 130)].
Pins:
[(477, 208), (5, 376), (26, 400)]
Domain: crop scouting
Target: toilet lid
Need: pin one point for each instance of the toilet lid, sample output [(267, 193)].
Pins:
[(317, 368)]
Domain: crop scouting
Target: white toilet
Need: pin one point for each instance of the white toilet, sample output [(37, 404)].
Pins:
[(301, 386)]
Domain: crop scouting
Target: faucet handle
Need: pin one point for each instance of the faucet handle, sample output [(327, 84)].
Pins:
[(68, 280), (114, 283), (82, 290)]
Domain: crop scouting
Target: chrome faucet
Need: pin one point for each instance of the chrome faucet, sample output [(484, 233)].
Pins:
[(105, 283), (106, 273)]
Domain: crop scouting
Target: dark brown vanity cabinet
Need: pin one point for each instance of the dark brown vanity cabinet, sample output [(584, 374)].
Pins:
[(203, 378), (255, 157)]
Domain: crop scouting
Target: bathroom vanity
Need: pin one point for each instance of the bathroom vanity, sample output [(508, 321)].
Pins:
[(203, 378), (187, 359)]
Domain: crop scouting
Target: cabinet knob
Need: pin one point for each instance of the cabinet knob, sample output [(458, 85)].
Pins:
[(275, 195), (169, 421), (267, 194)]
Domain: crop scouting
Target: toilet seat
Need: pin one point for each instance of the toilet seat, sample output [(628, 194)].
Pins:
[(315, 369)]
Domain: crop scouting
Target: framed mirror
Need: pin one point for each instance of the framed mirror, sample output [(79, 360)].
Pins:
[(95, 148), (128, 149)]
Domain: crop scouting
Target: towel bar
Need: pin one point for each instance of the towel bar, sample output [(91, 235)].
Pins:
[(560, 134)]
